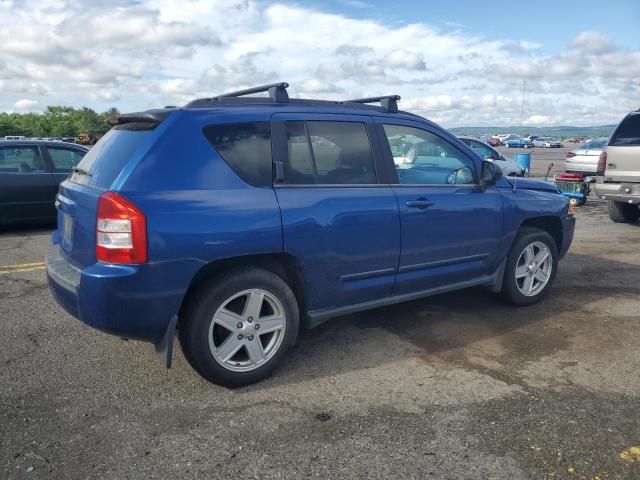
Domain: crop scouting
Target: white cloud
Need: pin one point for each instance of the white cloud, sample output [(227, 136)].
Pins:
[(406, 59), (149, 53), (25, 104), (592, 42)]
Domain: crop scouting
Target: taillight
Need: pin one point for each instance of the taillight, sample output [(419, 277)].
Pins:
[(121, 232), (602, 163), (570, 155)]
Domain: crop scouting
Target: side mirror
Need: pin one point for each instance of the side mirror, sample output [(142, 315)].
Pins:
[(491, 173)]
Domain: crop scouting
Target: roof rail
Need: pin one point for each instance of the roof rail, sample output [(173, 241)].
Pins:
[(277, 92), (388, 102)]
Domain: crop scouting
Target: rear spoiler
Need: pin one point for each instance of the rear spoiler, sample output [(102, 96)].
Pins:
[(148, 116)]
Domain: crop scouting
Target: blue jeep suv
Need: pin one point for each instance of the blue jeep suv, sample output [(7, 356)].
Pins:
[(238, 219)]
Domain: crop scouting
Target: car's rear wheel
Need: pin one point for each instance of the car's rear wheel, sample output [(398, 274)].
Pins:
[(236, 331), (531, 267), (621, 212)]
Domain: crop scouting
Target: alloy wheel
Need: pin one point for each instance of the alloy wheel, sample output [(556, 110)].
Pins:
[(247, 330)]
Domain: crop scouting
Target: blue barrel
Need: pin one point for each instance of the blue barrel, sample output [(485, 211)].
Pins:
[(524, 160)]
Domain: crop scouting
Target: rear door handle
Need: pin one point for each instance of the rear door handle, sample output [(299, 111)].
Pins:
[(420, 203)]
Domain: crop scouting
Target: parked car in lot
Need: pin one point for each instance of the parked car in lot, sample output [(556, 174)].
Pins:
[(618, 179), (239, 219), (585, 158), (547, 142), (518, 143), (30, 172), (509, 167)]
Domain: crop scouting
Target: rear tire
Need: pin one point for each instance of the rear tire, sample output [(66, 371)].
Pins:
[(235, 330), (621, 212), (531, 267)]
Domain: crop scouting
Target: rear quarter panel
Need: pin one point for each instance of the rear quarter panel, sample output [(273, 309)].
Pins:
[(198, 210)]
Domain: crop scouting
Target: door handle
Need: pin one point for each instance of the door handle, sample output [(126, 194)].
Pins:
[(420, 203)]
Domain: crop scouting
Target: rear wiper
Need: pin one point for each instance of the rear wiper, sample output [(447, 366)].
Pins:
[(81, 171)]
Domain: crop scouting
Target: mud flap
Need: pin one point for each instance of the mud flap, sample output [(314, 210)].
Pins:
[(499, 276), (164, 348)]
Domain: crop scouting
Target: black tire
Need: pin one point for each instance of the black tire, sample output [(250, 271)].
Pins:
[(193, 329), (621, 212), (526, 236)]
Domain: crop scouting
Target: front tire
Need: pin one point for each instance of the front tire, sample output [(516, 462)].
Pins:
[(531, 267), (621, 212), (235, 331)]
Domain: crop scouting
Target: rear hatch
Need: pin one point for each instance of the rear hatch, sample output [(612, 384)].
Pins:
[(78, 195), (623, 151)]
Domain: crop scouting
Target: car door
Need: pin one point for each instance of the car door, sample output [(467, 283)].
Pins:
[(25, 185), (450, 226), (338, 221)]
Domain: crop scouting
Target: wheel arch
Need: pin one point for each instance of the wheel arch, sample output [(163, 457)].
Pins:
[(284, 265), (550, 224)]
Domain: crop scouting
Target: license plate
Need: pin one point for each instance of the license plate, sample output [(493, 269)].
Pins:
[(67, 229)]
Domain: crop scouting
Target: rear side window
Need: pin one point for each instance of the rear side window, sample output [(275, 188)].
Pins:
[(106, 159), (329, 153), (246, 147), (64, 159), (628, 132)]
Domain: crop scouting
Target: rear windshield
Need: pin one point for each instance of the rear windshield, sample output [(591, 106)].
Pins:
[(628, 132), (594, 144), (106, 159)]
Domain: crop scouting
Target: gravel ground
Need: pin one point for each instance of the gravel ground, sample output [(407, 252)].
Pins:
[(459, 386)]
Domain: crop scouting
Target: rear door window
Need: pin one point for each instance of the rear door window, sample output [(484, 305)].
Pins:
[(64, 159), (628, 132), (106, 159), (329, 153), (246, 147), (20, 159)]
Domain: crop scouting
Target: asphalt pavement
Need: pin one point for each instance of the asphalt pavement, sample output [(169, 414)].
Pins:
[(459, 386)]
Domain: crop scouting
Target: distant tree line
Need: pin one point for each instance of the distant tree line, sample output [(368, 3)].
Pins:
[(55, 121)]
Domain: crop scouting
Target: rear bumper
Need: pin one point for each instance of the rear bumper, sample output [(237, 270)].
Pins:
[(619, 192), (135, 302), (568, 228)]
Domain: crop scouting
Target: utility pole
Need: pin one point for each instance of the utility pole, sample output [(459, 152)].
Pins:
[(524, 87)]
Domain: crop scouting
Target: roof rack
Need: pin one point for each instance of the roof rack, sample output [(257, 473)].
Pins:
[(388, 102), (277, 93)]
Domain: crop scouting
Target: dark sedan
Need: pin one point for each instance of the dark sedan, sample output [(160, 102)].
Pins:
[(30, 172)]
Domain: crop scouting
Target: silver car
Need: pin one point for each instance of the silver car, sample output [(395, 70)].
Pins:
[(585, 159), (508, 167), (547, 142)]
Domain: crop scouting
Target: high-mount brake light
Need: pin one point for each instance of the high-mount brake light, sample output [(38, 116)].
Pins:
[(121, 231)]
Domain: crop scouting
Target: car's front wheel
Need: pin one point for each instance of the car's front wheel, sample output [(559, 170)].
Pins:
[(236, 331), (621, 212), (531, 267)]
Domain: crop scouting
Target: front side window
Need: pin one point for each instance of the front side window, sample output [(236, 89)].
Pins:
[(329, 153), (64, 159), (246, 147), (20, 160), (423, 158)]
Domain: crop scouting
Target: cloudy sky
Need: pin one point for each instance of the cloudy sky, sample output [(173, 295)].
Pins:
[(456, 62)]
